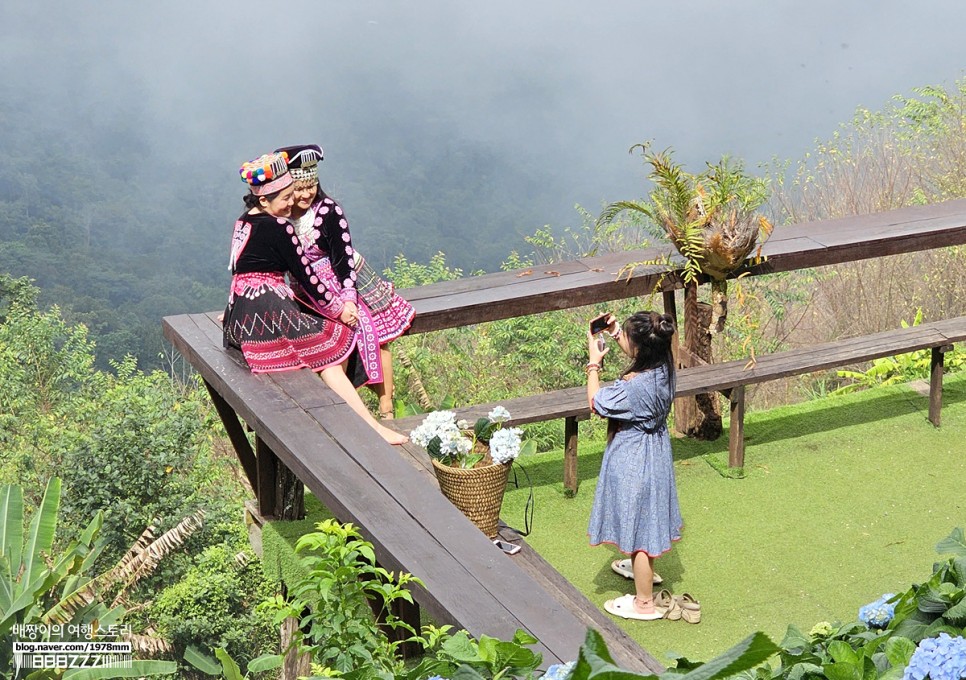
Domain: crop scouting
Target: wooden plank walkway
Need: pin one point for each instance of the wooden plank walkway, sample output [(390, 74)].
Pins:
[(544, 288), (362, 479)]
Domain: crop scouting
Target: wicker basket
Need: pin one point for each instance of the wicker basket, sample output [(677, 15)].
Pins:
[(477, 492)]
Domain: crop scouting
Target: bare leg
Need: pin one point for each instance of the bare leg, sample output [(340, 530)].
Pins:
[(643, 567), (383, 390), (338, 382)]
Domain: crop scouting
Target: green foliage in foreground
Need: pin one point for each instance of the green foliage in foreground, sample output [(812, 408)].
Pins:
[(41, 587), (133, 451), (213, 604), (868, 652), (335, 601)]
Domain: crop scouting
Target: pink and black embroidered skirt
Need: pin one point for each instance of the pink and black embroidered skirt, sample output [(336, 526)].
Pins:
[(391, 314), (274, 334)]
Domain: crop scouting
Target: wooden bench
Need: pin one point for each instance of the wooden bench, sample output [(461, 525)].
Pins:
[(731, 378), (302, 428)]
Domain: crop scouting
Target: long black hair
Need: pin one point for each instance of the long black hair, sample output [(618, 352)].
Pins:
[(649, 333)]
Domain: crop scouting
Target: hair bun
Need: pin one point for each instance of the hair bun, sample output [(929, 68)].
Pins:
[(665, 326)]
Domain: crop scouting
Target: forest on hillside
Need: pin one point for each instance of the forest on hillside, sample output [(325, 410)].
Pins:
[(118, 235)]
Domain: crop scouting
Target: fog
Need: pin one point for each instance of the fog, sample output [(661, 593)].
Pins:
[(530, 107)]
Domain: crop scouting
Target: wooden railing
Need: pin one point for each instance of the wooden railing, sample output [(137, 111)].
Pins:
[(303, 429)]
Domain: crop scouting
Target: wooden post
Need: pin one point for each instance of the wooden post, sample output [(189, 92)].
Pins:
[(408, 613), (280, 494), (680, 404), (936, 384), (570, 456), (267, 468), (295, 665), (736, 429)]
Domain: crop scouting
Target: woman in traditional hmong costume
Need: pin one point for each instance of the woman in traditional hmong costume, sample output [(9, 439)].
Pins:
[(324, 236), (263, 318)]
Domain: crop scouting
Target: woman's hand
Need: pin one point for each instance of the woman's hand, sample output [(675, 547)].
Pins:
[(594, 352), (350, 314), (612, 326)]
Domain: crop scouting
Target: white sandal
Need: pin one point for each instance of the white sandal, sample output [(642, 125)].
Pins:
[(623, 567), (623, 607)]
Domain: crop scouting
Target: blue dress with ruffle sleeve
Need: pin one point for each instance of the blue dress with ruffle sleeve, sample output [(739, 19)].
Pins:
[(636, 501)]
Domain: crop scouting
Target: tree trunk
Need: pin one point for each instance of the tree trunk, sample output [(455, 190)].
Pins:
[(719, 306), (700, 416)]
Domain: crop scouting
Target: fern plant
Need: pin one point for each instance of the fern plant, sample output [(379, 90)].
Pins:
[(710, 218)]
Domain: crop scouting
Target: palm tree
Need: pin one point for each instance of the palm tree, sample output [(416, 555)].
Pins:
[(710, 219)]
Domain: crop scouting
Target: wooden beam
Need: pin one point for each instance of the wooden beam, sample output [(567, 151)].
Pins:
[(236, 435), (565, 285), (265, 492)]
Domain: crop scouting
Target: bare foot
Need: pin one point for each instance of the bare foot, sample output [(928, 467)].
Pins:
[(391, 436)]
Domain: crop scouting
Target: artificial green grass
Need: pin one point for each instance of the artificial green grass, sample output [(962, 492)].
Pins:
[(280, 562), (843, 499)]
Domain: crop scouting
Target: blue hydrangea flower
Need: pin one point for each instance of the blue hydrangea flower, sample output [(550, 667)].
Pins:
[(437, 677), (878, 614), (939, 658), (559, 671)]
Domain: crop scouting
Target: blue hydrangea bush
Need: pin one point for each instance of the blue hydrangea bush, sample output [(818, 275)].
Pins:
[(915, 635)]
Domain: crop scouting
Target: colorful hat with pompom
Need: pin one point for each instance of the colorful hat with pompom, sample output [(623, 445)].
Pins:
[(303, 161), (267, 174)]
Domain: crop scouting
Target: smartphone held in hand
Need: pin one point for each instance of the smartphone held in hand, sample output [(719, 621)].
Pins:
[(600, 324)]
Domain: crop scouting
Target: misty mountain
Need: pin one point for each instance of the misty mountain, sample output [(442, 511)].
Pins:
[(447, 126)]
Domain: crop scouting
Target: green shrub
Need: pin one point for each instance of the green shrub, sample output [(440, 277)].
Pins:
[(213, 604)]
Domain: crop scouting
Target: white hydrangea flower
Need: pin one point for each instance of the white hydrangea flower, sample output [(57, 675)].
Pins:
[(452, 441), (505, 445), (499, 414), (463, 424), (435, 425)]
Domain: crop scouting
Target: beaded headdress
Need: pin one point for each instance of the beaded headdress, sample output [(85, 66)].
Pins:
[(303, 161), (267, 174)]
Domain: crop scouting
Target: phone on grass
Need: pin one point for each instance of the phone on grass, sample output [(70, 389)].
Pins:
[(508, 548)]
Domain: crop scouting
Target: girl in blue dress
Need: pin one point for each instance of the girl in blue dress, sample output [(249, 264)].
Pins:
[(636, 503)]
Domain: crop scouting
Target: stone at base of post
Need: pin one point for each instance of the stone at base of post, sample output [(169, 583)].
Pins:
[(295, 665)]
